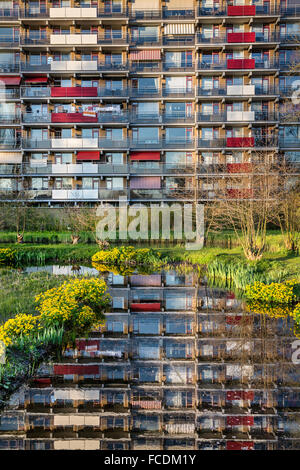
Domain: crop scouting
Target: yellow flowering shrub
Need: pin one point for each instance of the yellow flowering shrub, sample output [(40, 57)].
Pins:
[(7, 256), (76, 304), (276, 292), (274, 311), (22, 325), (126, 255)]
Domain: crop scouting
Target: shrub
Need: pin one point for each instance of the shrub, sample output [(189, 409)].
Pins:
[(127, 255), (281, 293), (77, 305), (7, 256), (21, 326)]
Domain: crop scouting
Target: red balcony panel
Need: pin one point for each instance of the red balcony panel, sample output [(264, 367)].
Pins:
[(72, 117), (241, 10), (73, 91), (88, 344), (239, 445), (240, 142), (241, 63), (241, 37), (233, 319), (239, 167), (88, 155), (233, 395), (146, 307), (146, 156), (240, 193), (36, 80), (70, 369), (10, 80)]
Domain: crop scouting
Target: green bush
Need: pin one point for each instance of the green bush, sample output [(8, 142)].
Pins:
[(7, 256)]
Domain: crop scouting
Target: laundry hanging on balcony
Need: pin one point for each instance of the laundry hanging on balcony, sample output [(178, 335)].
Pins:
[(181, 28), (148, 54)]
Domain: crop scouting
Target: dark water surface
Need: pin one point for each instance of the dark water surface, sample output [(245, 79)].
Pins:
[(179, 366)]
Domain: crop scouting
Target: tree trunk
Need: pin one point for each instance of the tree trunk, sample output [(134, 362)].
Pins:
[(19, 238), (75, 239)]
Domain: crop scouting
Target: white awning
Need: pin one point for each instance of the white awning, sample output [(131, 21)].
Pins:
[(179, 28), (10, 157)]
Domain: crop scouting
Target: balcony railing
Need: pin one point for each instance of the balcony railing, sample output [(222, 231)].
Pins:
[(9, 93), (9, 68), (94, 143), (10, 118)]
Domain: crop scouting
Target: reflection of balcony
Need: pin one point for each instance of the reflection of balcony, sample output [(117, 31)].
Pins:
[(243, 193), (239, 167), (72, 117)]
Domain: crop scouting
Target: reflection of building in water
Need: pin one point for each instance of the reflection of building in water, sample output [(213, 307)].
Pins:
[(178, 366)]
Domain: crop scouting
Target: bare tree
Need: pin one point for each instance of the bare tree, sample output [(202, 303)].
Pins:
[(243, 201)]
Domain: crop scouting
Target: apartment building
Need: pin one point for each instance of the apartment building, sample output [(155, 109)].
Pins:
[(102, 99), (177, 366)]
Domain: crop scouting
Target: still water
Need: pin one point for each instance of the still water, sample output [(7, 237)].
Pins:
[(178, 366)]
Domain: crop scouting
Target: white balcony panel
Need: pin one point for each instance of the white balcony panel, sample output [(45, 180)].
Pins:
[(235, 90), (241, 90), (57, 39), (57, 12), (74, 65), (10, 157), (58, 65), (89, 168), (249, 90), (88, 12), (73, 12), (60, 194), (59, 168), (89, 65), (89, 38), (90, 194), (89, 142), (240, 116), (74, 168)]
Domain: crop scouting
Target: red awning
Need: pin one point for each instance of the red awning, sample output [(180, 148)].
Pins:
[(147, 54), (10, 80), (145, 156), (88, 155), (36, 80)]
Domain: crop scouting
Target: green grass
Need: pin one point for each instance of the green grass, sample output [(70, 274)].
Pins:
[(17, 291)]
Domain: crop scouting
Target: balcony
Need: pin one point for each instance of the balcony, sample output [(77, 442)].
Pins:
[(240, 37), (241, 64), (10, 119), (73, 65), (239, 167), (68, 92), (74, 194), (240, 142), (9, 13), (243, 193), (9, 41), (9, 68), (161, 194), (241, 10)]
